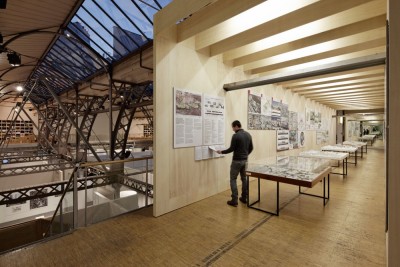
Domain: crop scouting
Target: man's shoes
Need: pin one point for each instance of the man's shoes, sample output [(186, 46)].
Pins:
[(232, 203), (243, 200)]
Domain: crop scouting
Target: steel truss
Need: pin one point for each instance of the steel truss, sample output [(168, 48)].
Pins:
[(138, 186), (22, 153), (130, 96), (16, 196), (31, 158), (90, 107), (36, 168)]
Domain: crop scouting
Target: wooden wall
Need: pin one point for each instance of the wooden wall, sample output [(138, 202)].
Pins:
[(179, 179), (393, 144)]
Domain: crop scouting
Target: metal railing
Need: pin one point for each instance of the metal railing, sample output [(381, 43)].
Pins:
[(116, 175)]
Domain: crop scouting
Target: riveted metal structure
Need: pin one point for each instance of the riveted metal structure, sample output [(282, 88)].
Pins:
[(62, 165), (91, 105), (131, 95), (23, 194)]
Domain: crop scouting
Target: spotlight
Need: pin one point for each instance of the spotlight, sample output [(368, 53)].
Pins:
[(3, 4), (20, 88), (1, 38), (14, 59)]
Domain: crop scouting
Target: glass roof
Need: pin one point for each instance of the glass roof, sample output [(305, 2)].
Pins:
[(101, 32)]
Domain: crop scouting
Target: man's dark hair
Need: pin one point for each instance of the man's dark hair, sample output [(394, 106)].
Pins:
[(236, 123)]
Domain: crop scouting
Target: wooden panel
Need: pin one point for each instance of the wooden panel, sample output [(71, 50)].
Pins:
[(293, 20), (349, 82), (268, 11), (212, 15), (179, 180), (344, 88), (265, 66), (393, 128), (348, 30), (345, 75), (313, 64), (359, 95)]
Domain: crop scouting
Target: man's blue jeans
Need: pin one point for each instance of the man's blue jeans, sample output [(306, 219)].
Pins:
[(238, 167)]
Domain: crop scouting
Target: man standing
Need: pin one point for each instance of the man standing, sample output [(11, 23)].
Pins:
[(241, 146)]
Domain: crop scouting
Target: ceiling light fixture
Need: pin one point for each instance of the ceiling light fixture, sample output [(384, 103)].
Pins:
[(14, 59), (20, 88), (3, 4)]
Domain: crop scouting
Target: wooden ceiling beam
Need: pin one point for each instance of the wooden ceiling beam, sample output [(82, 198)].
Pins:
[(322, 10), (355, 82), (213, 15), (379, 85), (364, 100), (266, 66), (345, 81), (353, 96), (264, 13), (359, 92), (350, 74), (353, 29)]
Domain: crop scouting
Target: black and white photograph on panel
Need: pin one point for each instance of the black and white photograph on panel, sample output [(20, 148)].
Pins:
[(254, 104), (15, 196), (188, 103), (293, 139), (276, 115), (284, 116), (301, 124), (318, 120), (266, 106), (293, 121), (38, 202), (254, 121), (282, 140), (301, 139)]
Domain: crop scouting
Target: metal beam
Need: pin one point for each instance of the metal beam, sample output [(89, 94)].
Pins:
[(136, 105), (21, 170), (358, 63), (13, 160), (71, 120), (37, 128)]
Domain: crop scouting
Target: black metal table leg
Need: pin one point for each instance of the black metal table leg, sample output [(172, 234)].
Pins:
[(277, 198), (343, 168), (248, 191), (356, 157)]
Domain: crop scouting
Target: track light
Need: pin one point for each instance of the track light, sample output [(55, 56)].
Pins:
[(20, 88), (14, 59), (3, 4)]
